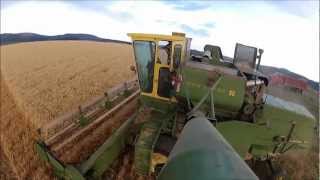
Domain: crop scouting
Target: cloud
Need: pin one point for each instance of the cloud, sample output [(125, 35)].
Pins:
[(290, 41), (167, 22), (102, 7), (304, 9), (194, 31), (188, 5), (7, 3), (209, 25)]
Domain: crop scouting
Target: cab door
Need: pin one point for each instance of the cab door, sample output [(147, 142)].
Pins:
[(162, 70), (167, 70)]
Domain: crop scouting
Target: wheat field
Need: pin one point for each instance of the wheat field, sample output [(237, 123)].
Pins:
[(50, 78), (43, 80)]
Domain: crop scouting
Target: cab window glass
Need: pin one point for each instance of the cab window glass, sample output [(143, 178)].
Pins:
[(164, 52), (177, 55), (144, 52)]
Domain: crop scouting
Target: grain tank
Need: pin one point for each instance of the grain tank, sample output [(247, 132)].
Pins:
[(239, 93)]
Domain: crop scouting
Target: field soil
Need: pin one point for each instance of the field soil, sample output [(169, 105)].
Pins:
[(43, 80)]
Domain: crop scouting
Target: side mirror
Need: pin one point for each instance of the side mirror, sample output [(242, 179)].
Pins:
[(259, 59), (260, 52)]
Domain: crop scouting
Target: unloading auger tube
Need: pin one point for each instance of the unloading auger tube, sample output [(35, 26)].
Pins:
[(201, 152)]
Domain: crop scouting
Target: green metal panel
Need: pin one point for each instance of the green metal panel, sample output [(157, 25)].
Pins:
[(97, 163), (45, 155), (142, 160), (100, 161), (202, 153), (157, 104), (107, 158), (150, 132), (67, 172), (228, 95), (71, 173), (41, 150)]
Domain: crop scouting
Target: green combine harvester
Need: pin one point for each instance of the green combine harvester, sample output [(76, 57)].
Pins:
[(182, 97)]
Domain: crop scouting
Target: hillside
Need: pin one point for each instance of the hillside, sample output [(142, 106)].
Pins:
[(11, 38), (268, 70)]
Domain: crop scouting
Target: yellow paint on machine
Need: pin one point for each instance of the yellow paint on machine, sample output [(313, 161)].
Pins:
[(157, 158), (176, 39)]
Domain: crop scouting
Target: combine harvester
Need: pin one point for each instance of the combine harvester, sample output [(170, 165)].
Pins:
[(166, 119)]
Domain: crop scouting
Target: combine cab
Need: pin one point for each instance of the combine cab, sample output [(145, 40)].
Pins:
[(166, 126)]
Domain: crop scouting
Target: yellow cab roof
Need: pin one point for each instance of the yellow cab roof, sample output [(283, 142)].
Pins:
[(157, 37)]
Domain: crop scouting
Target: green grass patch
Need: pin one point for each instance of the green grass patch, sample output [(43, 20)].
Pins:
[(241, 135)]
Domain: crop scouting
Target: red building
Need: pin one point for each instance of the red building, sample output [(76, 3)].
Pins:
[(283, 80)]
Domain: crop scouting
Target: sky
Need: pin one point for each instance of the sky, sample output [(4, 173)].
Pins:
[(288, 31)]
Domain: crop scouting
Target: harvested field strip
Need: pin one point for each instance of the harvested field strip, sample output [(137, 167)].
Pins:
[(17, 137)]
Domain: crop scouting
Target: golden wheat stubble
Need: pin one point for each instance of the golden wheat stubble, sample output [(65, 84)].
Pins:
[(44, 80)]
